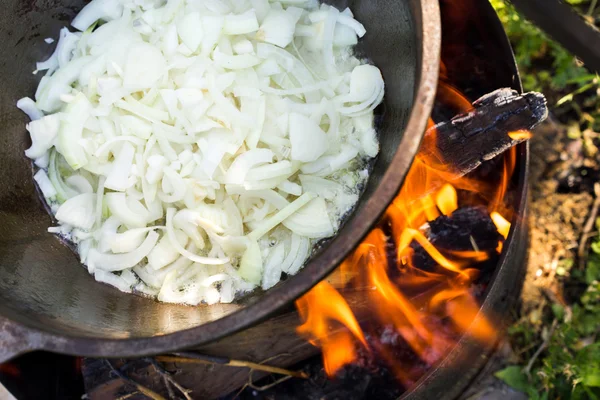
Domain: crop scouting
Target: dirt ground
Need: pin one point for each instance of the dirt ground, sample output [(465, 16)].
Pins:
[(556, 222)]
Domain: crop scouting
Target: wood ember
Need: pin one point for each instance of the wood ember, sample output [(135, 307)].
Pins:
[(467, 229), (466, 141)]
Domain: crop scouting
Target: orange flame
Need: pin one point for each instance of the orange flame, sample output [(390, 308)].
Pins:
[(331, 306), (393, 291)]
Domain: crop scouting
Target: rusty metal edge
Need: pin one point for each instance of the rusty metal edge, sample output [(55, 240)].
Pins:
[(17, 339)]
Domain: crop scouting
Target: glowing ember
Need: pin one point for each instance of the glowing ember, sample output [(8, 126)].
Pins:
[(501, 223), (419, 306), (447, 199), (520, 135)]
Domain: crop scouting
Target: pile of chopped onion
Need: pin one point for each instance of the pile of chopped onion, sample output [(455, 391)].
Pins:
[(197, 149)]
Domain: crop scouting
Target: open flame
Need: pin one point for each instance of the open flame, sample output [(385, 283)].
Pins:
[(395, 300)]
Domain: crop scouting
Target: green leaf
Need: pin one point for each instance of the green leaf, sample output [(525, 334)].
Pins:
[(514, 377), (558, 311), (592, 272), (596, 247), (591, 376), (588, 362)]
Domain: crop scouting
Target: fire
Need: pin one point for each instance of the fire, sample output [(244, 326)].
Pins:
[(395, 294), (338, 346)]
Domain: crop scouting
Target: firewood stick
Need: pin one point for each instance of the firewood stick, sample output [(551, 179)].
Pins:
[(194, 358), (462, 144)]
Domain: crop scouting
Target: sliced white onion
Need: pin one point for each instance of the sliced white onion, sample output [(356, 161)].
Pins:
[(78, 211), (236, 174), (278, 28), (118, 205), (184, 252), (45, 184), (309, 141), (268, 224), (144, 67), (164, 253), (190, 30), (43, 133), (207, 109), (79, 183), (97, 10), (113, 280), (251, 264), (311, 221), (272, 268), (118, 178), (241, 24), (29, 107), (119, 262)]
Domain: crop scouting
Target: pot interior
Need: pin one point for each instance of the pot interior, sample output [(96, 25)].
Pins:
[(42, 284)]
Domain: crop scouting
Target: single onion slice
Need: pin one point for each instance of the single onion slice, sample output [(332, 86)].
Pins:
[(251, 264), (184, 252), (78, 211), (311, 221), (119, 262)]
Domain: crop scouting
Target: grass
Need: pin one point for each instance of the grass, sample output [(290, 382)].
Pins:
[(559, 358), (548, 68)]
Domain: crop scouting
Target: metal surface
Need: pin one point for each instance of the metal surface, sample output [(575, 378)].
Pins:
[(564, 25), (48, 301), (475, 34)]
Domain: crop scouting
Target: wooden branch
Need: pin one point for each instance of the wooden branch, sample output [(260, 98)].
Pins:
[(463, 143), (561, 22)]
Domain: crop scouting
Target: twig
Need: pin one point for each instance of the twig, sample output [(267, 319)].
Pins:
[(167, 385), (587, 228), (540, 349), (141, 388), (128, 395), (169, 380), (474, 243), (271, 385), (195, 358)]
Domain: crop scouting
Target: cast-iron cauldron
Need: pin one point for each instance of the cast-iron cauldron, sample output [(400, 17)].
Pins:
[(49, 301)]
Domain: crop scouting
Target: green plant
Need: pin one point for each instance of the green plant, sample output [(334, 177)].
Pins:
[(545, 65), (568, 366)]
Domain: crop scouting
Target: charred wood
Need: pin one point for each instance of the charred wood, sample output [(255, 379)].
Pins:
[(466, 141)]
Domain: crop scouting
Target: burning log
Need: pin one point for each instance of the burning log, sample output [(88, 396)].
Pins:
[(468, 229), (498, 121)]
